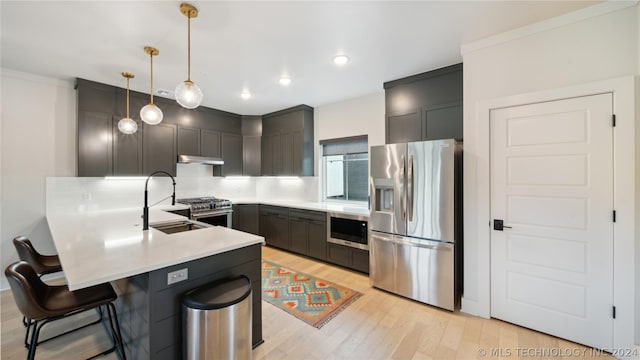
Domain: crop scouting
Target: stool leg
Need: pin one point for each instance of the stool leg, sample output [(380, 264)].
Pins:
[(35, 332), (26, 333), (116, 332)]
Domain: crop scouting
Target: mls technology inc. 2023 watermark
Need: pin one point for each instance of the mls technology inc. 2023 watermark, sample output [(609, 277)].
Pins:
[(523, 352)]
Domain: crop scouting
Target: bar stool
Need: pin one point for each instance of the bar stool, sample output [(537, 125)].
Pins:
[(43, 303), (42, 264)]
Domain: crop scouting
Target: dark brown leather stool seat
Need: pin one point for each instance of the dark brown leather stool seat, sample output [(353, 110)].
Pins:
[(44, 303), (42, 264)]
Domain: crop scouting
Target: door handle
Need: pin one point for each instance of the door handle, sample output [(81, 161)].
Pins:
[(498, 224), (437, 247), (410, 188), (403, 199)]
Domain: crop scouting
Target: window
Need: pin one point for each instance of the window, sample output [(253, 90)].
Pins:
[(346, 169)]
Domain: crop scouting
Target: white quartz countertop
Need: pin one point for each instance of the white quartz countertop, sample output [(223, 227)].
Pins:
[(317, 206), (100, 246)]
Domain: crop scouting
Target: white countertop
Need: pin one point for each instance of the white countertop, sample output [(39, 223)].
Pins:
[(317, 206), (100, 246)]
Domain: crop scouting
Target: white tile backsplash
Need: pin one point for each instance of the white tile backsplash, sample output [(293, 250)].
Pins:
[(79, 194)]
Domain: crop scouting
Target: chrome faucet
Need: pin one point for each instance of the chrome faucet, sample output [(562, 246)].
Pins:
[(145, 210)]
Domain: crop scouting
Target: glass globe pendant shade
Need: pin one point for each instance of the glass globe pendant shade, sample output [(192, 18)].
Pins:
[(151, 114), (127, 126), (188, 95)]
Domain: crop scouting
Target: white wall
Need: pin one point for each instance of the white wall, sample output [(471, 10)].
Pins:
[(574, 49), (358, 116), (38, 124)]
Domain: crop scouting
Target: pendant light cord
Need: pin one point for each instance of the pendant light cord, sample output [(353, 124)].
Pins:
[(189, 47), (151, 91), (128, 98)]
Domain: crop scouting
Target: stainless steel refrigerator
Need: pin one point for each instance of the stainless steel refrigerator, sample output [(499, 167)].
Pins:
[(415, 236)]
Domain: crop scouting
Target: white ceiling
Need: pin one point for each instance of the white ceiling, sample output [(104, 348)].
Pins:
[(250, 45)]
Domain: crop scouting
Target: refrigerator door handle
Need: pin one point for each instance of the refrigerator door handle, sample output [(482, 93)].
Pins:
[(410, 188), (403, 199), (392, 240)]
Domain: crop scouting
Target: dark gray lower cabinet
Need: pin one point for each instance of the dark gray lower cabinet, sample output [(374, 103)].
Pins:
[(274, 225), (160, 148), (353, 258), (246, 217), (360, 260), (150, 311), (304, 232), (308, 233)]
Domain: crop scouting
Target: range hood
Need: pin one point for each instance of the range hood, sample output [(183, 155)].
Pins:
[(191, 159)]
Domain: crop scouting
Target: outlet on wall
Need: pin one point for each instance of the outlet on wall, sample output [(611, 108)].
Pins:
[(86, 196), (177, 276)]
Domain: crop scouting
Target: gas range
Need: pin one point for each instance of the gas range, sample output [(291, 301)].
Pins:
[(208, 205)]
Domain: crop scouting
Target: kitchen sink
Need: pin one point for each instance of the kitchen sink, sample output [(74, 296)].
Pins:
[(180, 226)]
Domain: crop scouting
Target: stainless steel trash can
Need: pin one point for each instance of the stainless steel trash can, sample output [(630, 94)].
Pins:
[(216, 320)]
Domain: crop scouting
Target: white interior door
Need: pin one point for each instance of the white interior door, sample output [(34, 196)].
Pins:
[(552, 184)]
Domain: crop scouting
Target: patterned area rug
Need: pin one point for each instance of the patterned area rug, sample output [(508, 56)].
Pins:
[(306, 297)]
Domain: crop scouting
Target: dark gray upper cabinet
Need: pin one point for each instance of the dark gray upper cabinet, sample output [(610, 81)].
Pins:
[(251, 155), (198, 142), (287, 142), (95, 145), (231, 154), (404, 127), (103, 150), (160, 148), (209, 143), (127, 151), (188, 141), (251, 145), (443, 122), (266, 155), (426, 106), (276, 154)]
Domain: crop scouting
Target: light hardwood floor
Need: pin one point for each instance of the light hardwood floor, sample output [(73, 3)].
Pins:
[(376, 326)]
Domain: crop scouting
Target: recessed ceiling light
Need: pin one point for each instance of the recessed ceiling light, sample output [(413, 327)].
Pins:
[(340, 59), (246, 95), (285, 81)]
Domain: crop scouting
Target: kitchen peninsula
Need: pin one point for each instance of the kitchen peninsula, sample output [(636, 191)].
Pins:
[(109, 246)]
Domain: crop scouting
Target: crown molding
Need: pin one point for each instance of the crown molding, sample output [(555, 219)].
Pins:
[(552, 23)]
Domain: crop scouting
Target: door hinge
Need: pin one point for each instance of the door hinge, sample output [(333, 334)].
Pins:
[(614, 312), (614, 216), (613, 119)]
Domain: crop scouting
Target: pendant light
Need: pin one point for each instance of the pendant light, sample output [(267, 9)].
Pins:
[(127, 125), (187, 93), (150, 113)]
